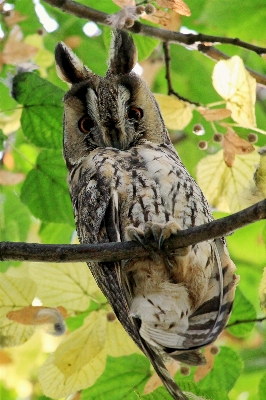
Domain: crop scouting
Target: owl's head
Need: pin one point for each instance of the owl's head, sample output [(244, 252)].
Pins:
[(117, 110)]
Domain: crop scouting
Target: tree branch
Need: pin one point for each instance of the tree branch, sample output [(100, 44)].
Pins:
[(122, 251), (197, 41)]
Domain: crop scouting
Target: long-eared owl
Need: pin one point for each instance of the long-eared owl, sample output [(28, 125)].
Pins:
[(127, 182)]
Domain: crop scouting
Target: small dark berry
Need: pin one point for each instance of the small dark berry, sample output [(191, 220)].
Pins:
[(198, 129), (218, 137), (203, 145), (252, 137)]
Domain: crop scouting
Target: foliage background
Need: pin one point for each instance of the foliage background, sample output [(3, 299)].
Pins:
[(35, 207)]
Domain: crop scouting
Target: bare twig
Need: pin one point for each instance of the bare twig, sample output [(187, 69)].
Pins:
[(245, 321), (121, 251), (167, 59), (195, 40)]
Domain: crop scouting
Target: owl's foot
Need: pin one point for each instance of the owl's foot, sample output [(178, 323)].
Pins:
[(158, 232), (139, 236)]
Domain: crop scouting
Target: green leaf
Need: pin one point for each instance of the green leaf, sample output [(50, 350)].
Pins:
[(41, 119), (14, 217), (230, 19), (242, 310), (158, 394), (262, 388), (55, 233), (45, 190), (122, 377), (3, 137), (226, 369)]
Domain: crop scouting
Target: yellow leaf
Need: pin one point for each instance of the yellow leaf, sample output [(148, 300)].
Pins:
[(118, 343), (262, 291), (15, 293), (176, 113), (228, 189), (78, 361), (10, 123), (43, 58), (69, 285), (260, 176), (235, 85)]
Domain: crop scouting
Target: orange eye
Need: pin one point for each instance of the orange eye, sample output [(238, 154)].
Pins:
[(85, 124), (135, 113)]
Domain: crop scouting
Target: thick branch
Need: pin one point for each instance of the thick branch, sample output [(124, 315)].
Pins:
[(121, 251), (195, 40)]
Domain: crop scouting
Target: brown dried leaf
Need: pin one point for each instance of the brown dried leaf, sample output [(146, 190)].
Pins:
[(37, 315), (11, 178), (123, 3), (179, 6), (5, 358), (14, 17), (73, 41), (15, 51), (155, 381), (215, 114), (203, 370), (233, 145), (150, 70), (168, 20)]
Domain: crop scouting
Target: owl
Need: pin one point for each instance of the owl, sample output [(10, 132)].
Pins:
[(126, 183)]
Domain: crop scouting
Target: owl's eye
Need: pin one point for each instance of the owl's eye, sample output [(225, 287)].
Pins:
[(85, 124), (135, 113)]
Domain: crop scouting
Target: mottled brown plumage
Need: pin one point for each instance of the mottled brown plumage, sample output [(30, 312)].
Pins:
[(127, 183)]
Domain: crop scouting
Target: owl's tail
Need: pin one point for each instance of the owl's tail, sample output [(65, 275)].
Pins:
[(163, 373)]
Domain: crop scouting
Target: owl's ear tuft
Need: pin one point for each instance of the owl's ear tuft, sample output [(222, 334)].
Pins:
[(123, 54), (69, 67)]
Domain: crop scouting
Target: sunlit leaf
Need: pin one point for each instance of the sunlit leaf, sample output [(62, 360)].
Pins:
[(262, 291), (120, 379), (15, 293), (228, 189), (176, 113), (78, 361), (69, 285), (43, 109), (260, 176), (235, 85), (118, 342), (242, 310), (10, 123), (43, 58)]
